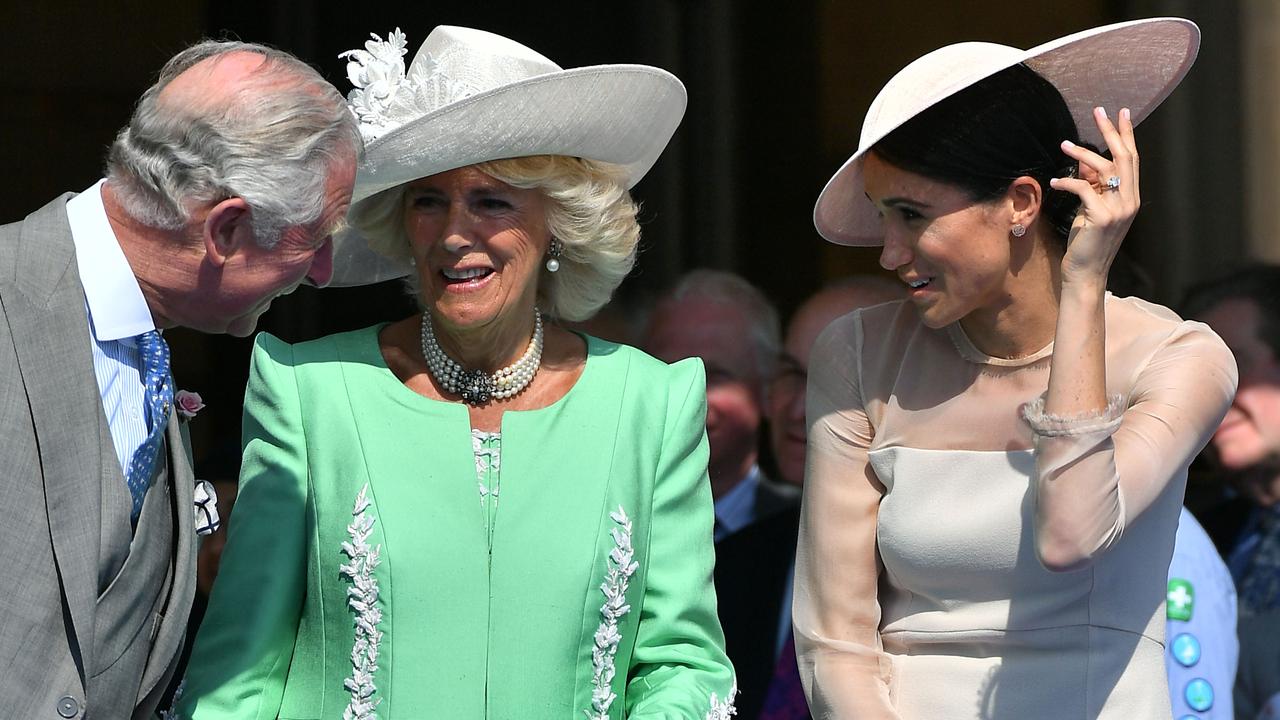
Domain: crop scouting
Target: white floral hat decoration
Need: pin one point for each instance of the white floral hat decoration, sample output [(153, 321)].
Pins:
[(471, 96), (1132, 64)]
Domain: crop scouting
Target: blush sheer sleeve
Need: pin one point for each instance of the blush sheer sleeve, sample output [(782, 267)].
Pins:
[(1096, 473), (845, 672)]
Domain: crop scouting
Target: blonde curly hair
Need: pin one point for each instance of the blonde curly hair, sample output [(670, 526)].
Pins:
[(590, 212)]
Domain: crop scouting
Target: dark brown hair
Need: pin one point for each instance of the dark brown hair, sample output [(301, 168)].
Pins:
[(982, 138)]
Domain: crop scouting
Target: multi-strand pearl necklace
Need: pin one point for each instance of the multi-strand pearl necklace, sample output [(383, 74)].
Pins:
[(477, 387)]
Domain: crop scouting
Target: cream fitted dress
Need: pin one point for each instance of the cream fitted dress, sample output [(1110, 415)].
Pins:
[(919, 593)]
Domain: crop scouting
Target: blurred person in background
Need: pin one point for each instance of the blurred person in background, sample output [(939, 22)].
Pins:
[(1243, 307), (1201, 647), (1257, 690), (726, 322), (788, 431), (754, 566)]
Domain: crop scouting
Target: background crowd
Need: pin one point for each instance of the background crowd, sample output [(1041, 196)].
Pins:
[(754, 318)]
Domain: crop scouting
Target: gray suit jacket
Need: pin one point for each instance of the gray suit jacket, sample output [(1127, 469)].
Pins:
[(55, 454)]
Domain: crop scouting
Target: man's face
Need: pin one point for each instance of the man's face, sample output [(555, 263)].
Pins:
[(720, 334), (788, 429), (1250, 433), (254, 276)]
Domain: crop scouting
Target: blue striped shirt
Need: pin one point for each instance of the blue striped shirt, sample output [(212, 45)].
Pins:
[(118, 313)]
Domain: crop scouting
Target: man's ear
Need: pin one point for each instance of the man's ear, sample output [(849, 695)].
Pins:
[(227, 229)]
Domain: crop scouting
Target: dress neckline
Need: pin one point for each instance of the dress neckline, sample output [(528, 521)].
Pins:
[(373, 354), (970, 352)]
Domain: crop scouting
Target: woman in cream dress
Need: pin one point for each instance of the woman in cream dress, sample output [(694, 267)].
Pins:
[(996, 464)]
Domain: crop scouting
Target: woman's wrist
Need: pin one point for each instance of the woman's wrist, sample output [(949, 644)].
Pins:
[(1083, 288)]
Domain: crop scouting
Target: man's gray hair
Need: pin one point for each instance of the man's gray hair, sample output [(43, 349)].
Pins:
[(272, 144), (724, 287)]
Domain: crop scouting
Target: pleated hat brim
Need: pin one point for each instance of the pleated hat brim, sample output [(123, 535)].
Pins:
[(1131, 65)]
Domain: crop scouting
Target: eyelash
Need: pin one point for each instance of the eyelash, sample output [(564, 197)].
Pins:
[(423, 201), (906, 213)]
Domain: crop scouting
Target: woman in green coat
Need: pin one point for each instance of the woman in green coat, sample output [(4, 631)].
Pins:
[(470, 513)]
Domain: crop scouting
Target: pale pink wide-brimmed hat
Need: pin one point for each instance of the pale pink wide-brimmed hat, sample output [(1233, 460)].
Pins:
[(471, 96), (1131, 64)]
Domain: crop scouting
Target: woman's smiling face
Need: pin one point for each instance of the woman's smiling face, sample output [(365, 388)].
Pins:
[(478, 245), (952, 252)]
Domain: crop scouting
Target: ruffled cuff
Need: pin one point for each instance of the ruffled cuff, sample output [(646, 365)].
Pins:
[(1085, 423)]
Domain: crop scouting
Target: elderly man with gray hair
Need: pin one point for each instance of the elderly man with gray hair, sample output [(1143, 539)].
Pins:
[(222, 193), (727, 322)]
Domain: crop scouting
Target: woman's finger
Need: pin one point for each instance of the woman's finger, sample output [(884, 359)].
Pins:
[(1120, 153), (1077, 186), (1088, 159), (1085, 172), (1090, 200), (1127, 136), (1124, 151)]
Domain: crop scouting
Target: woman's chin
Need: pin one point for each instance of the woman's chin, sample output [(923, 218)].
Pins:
[(462, 315), (933, 317)]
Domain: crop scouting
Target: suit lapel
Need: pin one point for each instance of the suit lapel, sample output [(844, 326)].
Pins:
[(173, 628), (51, 336)]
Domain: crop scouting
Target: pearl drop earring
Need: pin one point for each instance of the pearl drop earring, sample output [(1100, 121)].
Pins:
[(553, 255)]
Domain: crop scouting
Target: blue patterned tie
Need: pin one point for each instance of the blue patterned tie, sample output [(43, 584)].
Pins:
[(157, 397)]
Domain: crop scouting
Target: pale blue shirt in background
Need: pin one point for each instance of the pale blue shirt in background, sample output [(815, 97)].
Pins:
[(118, 313), (1200, 641), (736, 509)]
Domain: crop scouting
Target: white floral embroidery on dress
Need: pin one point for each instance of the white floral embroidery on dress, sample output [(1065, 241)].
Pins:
[(723, 709), (383, 98), (362, 597), (622, 566)]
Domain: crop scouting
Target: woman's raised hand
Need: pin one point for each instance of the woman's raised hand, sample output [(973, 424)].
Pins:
[(1108, 191)]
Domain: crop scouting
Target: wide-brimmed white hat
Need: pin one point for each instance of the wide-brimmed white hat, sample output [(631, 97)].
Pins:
[(1131, 64), (471, 96)]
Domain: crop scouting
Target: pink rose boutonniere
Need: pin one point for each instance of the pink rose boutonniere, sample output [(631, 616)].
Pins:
[(188, 404)]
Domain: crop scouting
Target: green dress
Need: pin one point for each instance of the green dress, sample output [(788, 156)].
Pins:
[(365, 574)]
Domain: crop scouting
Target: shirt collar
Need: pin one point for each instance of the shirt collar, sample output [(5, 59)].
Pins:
[(735, 508), (117, 309)]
